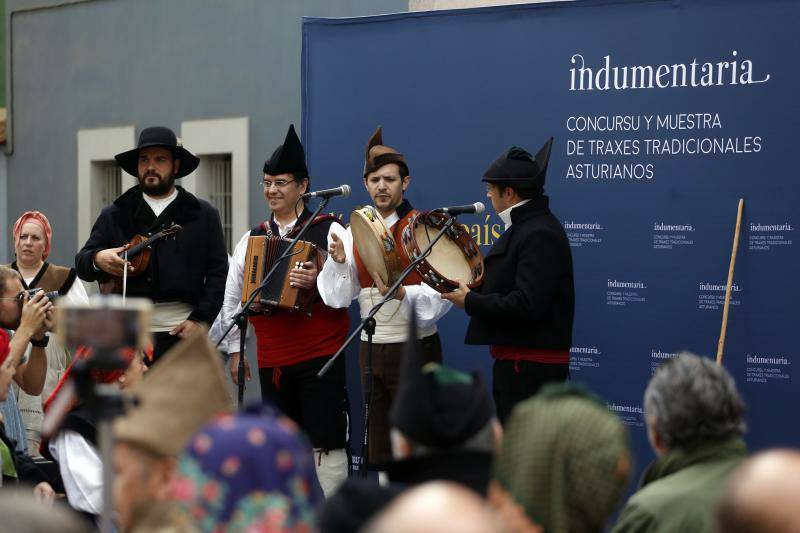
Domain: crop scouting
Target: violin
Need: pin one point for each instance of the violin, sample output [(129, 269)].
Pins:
[(139, 249)]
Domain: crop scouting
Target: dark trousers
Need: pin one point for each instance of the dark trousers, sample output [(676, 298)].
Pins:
[(514, 381), (385, 376), (318, 405), (162, 342)]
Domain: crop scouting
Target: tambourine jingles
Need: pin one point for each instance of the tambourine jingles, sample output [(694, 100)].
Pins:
[(454, 257), (375, 244)]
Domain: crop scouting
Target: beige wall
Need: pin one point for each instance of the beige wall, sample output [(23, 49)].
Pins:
[(429, 5)]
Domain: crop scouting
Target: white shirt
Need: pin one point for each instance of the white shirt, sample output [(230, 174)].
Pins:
[(232, 303), (159, 204), (81, 470), (338, 285), (505, 214)]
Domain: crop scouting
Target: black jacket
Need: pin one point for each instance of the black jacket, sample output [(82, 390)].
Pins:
[(190, 268), (527, 297)]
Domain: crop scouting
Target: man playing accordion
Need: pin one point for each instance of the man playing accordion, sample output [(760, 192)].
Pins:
[(294, 345)]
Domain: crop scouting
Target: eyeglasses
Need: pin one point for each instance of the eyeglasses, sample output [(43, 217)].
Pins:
[(280, 184)]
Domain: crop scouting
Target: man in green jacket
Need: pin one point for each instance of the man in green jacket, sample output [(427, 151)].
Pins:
[(695, 423)]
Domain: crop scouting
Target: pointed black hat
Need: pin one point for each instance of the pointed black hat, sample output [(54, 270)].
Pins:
[(288, 158), (437, 406), (516, 167), (161, 137)]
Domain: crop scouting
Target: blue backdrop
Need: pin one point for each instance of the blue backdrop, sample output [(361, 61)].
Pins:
[(664, 114)]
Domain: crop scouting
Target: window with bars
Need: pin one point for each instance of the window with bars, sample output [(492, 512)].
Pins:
[(112, 182), (219, 192), (107, 184)]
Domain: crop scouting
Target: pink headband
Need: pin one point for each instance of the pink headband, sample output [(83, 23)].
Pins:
[(37, 218)]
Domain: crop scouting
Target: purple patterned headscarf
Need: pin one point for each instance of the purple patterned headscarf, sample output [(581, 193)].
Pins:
[(249, 472)]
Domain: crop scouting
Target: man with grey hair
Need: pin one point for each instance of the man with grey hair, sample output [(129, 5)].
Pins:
[(694, 417)]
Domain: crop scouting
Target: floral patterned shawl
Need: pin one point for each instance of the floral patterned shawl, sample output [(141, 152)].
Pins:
[(251, 472)]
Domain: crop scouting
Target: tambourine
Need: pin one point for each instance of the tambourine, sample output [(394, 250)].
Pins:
[(454, 257), (375, 244)]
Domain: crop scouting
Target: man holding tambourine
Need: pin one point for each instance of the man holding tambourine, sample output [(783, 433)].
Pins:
[(524, 309), (347, 275)]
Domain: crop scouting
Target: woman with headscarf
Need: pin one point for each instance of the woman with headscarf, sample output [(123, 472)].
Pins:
[(564, 463), (251, 472), (33, 238)]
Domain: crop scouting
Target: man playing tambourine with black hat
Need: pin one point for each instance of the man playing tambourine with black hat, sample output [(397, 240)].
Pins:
[(185, 276), (525, 306), (293, 346)]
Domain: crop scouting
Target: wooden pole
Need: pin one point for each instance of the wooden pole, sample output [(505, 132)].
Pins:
[(723, 331)]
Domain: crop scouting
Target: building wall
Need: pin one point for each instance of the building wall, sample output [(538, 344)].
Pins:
[(119, 63), (5, 226), (431, 5)]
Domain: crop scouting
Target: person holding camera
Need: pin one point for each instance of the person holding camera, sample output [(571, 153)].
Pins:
[(33, 238), (30, 317), (17, 466)]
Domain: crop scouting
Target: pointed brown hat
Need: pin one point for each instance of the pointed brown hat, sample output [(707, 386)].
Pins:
[(181, 394), (378, 155)]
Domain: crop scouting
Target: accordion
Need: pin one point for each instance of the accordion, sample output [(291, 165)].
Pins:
[(262, 253)]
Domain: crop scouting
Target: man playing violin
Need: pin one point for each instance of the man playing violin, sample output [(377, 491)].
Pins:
[(345, 277), (185, 275), (294, 346)]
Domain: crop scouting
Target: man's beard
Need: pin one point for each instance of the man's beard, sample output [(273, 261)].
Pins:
[(158, 189)]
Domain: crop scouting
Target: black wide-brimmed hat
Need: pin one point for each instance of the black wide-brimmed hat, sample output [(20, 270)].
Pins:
[(288, 158), (437, 406), (161, 137), (517, 168)]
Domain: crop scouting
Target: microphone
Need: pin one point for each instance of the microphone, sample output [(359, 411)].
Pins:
[(343, 190), (473, 209)]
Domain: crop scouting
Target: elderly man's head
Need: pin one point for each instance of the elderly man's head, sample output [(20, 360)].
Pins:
[(435, 507), (141, 479), (762, 495), (691, 400)]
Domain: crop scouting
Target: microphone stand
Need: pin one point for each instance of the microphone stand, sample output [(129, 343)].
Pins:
[(106, 403), (368, 325), (240, 319)]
